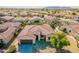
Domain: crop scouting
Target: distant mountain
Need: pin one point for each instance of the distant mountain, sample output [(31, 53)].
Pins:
[(60, 7)]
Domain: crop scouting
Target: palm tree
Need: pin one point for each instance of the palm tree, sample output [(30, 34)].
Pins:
[(55, 23), (59, 40)]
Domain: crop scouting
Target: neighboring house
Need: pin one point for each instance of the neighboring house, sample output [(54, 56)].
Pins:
[(34, 14), (72, 28), (12, 24), (6, 18), (2, 13), (14, 14), (67, 20), (75, 17), (3, 27), (48, 18), (35, 32), (61, 14), (8, 34), (20, 19), (36, 19), (23, 14)]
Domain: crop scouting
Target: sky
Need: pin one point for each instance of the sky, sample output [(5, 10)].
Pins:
[(39, 3)]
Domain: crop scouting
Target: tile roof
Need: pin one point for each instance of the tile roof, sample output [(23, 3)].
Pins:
[(9, 33), (19, 19), (31, 30), (74, 26), (7, 18)]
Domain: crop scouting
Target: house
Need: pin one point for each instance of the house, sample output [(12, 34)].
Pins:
[(12, 24), (36, 19), (23, 14), (7, 35), (48, 18), (74, 28), (34, 14), (2, 13), (3, 27), (20, 19), (31, 33), (6, 18), (75, 17), (60, 14)]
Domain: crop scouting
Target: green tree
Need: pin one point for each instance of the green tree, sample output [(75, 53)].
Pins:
[(59, 40), (55, 23)]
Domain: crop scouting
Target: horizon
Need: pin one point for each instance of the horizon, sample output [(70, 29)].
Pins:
[(35, 6)]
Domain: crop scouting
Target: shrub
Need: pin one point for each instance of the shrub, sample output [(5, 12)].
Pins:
[(59, 40), (55, 23)]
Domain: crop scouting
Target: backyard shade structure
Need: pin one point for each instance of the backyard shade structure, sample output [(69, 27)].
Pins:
[(6, 18), (31, 31), (8, 34), (28, 37)]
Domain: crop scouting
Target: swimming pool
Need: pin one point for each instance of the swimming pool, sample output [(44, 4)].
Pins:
[(32, 48)]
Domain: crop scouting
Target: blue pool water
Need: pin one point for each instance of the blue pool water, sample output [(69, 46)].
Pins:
[(32, 48)]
